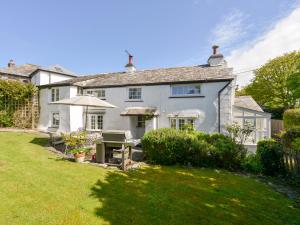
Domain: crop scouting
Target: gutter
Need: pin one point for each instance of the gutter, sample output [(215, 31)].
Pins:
[(219, 105)]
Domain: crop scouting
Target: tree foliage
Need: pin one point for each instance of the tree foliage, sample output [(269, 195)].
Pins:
[(274, 85)]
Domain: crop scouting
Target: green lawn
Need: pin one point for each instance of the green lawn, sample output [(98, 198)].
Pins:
[(36, 188)]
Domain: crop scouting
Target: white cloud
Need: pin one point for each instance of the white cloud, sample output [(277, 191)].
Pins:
[(283, 37), (231, 29)]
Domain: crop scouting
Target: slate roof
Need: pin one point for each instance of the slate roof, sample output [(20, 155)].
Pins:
[(247, 102), (202, 73), (27, 70), (23, 70)]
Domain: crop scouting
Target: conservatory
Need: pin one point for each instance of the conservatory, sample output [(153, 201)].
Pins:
[(247, 112)]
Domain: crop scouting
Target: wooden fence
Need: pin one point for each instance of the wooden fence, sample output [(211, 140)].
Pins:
[(276, 127), (292, 161), (24, 114)]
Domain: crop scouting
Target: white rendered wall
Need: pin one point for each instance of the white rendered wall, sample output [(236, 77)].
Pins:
[(152, 96), (43, 77)]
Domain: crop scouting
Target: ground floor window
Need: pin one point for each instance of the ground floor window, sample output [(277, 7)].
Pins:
[(95, 121), (55, 119), (182, 123)]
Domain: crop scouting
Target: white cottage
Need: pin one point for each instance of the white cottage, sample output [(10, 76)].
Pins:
[(203, 96)]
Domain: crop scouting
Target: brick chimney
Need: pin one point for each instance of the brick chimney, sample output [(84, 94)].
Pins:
[(216, 59), (11, 63), (130, 66)]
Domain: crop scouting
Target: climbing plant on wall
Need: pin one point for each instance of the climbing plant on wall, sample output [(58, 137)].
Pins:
[(18, 104)]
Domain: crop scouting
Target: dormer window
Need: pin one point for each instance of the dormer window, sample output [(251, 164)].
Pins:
[(185, 90)]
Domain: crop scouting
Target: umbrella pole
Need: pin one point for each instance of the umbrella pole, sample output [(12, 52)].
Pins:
[(86, 116)]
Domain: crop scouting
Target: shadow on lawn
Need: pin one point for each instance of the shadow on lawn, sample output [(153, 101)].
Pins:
[(155, 195), (41, 141)]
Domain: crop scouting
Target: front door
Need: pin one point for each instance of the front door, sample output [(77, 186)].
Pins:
[(137, 126)]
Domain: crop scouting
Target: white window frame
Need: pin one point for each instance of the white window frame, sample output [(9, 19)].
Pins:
[(94, 117), (257, 133), (186, 120), (185, 86), (95, 92), (55, 122), (134, 99), (54, 94)]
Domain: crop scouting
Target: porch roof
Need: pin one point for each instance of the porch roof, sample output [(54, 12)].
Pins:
[(136, 111)]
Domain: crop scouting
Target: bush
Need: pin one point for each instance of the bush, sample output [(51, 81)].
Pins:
[(169, 146), (252, 164), (291, 118), (270, 154), (289, 136), (5, 119)]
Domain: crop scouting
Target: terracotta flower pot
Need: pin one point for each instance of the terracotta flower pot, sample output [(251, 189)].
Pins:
[(79, 157)]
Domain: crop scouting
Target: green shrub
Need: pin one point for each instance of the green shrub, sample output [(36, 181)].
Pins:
[(296, 145), (252, 164), (270, 154), (289, 136), (169, 146), (5, 119), (291, 118)]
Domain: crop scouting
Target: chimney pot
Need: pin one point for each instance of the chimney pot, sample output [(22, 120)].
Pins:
[(11, 63), (215, 49), (130, 67)]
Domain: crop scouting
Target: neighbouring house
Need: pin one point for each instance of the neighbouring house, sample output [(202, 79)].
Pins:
[(202, 96), (37, 75)]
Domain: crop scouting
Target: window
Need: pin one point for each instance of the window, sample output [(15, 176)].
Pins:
[(173, 123), (79, 91), (140, 121), (100, 93), (180, 123), (96, 122), (135, 93), (186, 90), (54, 94), (55, 119)]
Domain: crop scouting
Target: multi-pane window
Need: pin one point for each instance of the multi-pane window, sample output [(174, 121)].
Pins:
[(55, 119), (135, 93), (173, 123), (140, 121), (186, 90), (54, 94), (96, 122), (100, 93), (181, 123)]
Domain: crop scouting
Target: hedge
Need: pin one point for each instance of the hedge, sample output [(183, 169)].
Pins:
[(291, 118), (270, 154), (169, 147)]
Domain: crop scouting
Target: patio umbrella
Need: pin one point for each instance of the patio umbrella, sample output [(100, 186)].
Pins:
[(87, 101)]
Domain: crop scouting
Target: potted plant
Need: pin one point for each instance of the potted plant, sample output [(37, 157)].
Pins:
[(79, 154), (75, 142)]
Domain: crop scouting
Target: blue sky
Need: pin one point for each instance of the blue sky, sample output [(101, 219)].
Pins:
[(91, 36)]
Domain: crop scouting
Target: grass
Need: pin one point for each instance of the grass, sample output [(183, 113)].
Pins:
[(36, 187)]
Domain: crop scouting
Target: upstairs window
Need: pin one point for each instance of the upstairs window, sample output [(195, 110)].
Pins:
[(100, 93), (135, 93), (186, 90), (54, 94)]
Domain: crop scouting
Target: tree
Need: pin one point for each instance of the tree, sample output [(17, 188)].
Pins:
[(272, 87), (293, 83)]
